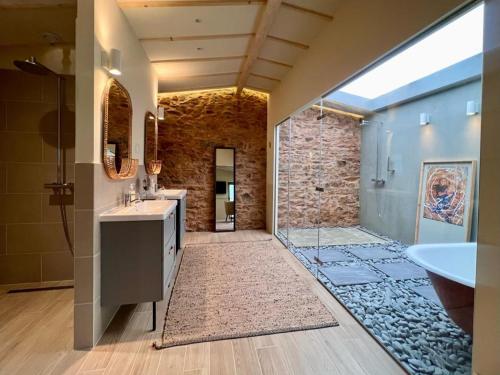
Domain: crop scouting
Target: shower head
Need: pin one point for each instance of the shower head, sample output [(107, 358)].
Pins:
[(32, 66)]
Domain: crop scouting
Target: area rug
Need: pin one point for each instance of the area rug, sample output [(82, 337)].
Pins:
[(225, 291)]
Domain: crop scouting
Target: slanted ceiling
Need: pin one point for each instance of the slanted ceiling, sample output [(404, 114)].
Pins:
[(199, 44)]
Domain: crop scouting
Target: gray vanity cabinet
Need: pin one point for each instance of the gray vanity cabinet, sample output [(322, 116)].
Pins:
[(181, 222), (137, 259)]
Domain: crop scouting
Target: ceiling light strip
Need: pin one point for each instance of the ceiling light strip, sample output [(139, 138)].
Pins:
[(339, 111)]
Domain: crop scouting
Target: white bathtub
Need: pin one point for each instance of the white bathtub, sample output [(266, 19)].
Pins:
[(453, 261), (452, 270)]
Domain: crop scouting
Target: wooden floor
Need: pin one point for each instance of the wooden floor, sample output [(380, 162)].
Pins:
[(36, 332)]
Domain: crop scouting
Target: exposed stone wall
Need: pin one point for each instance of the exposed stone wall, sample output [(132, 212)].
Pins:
[(304, 161), (195, 123)]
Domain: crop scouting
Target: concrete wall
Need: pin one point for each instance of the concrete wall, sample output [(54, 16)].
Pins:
[(197, 122), (361, 32), (485, 358), (95, 192), (33, 247), (452, 135)]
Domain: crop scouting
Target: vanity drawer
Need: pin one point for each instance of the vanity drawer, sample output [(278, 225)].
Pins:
[(169, 226), (168, 260)]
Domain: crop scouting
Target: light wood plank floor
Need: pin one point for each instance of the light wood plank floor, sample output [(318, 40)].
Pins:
[(36, 338)]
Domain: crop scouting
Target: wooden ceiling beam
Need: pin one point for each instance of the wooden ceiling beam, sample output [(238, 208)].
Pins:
[(203, 75), (196, 37), (326, 16), (289, 42), (34, 4), (221, 36), (186, 3), (285, 65), (200, 59), (265, 77), (266, 22)]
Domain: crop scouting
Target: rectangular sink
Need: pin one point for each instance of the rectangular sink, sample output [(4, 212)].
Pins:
[(141, 211), (171, 193)]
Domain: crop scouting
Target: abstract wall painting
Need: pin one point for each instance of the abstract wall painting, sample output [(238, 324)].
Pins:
[(445, 201)]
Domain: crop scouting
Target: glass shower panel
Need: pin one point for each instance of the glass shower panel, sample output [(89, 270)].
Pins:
[(305, 162), (282, 147)]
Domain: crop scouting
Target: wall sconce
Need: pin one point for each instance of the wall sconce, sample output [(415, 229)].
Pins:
[(160, 113), (425, 119), (472, 108), (112, 61)]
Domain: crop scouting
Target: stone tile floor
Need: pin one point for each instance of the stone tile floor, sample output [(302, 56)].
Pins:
[(400, 308), (305, 237)]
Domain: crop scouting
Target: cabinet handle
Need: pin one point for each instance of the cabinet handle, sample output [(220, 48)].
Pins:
[(171, 248)]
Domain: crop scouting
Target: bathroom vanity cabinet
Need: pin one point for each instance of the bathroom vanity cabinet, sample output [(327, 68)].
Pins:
[(180, 196), (138, 254)]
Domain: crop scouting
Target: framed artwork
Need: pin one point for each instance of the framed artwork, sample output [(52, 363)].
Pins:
[(445, 201)]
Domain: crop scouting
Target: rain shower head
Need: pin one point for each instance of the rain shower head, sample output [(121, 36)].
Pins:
[(32, 66)]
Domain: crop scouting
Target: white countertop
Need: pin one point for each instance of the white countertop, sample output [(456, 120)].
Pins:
[(172, 193), (141, 211)]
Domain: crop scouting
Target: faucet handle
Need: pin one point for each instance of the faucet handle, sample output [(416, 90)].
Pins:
[(126, 199)]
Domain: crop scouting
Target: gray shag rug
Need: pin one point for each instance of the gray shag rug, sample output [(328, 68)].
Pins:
[(226, 291)]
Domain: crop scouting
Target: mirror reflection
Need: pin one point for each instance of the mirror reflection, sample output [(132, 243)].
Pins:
[(225, 190), (153, 166), (117, 123), (119, 117)]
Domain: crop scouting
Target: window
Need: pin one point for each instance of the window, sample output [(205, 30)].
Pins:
[(231, 191), (454, 42)]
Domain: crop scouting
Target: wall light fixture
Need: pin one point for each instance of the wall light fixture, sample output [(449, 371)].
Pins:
[(112, 61), (160, 113), (472, 108), (425, 119)]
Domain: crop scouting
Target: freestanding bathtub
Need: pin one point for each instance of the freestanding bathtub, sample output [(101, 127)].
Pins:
[(452, 270)]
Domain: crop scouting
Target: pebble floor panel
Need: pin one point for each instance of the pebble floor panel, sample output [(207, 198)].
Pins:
[(402, 270), (403, 313), (350, 275), (428, 292), (372, 253)]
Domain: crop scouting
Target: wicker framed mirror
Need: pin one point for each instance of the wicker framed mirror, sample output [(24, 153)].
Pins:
[(151, 162), (117, 132)]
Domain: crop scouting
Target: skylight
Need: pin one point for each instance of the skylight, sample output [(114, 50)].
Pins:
[(454, 42)]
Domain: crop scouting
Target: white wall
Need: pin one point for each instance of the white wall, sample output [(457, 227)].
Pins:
[(101, 25), (362, 31), (486, 349)]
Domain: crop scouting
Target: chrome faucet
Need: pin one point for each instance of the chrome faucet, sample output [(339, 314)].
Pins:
[(131, 196)]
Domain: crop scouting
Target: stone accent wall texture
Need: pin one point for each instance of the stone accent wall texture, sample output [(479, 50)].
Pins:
[(197, 122), (305, 158)]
